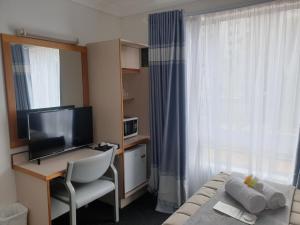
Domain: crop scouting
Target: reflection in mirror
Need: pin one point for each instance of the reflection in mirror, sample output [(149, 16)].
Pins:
[(45, 79)]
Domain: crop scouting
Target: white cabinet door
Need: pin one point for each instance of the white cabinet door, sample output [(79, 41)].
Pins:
[(135, 165), (130, 57)]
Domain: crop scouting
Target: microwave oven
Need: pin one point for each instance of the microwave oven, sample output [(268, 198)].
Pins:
[(130, 127)]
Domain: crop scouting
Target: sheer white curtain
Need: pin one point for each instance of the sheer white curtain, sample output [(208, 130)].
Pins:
[(243, 92), (45, 77)]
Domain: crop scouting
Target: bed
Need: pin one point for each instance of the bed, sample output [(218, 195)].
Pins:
[(207, 191)]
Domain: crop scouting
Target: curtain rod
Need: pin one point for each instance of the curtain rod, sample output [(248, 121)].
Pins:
[(229, 7), (23, 33)]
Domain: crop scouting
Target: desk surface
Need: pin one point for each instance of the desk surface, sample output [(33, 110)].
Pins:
[(55, 166)]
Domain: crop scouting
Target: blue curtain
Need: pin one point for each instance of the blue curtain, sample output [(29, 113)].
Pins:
[(22, 83), (21, 65), (297, 167), (167, 103)]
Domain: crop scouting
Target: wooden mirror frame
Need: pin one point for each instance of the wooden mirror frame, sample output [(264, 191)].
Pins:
[(6, 41)]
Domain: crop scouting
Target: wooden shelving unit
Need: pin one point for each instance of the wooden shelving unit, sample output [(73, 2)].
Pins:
[(115, 66)]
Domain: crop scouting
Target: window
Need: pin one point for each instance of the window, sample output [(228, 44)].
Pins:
[(243, 91)]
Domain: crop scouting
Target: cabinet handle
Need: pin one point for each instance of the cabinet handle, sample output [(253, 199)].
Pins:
[(143, 156)]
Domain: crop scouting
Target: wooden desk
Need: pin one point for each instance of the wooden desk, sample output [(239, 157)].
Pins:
[(33, 184)]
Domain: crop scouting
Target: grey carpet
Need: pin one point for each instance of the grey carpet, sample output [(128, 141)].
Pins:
[(140, 212)]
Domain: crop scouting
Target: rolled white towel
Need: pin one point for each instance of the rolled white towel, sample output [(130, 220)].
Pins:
[(275, 199), (252, 200), (259, 186)]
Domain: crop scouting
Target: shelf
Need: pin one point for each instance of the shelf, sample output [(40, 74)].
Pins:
[(127, 99), (133, 44), (58, 208), (139, 139), (130, 71)]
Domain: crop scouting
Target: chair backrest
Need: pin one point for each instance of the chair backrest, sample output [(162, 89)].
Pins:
[(91, 168)]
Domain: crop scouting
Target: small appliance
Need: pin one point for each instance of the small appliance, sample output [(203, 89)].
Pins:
[(130, 127)]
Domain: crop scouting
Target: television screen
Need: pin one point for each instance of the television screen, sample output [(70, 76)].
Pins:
[(22, 115), (53, 132), (82, 126)]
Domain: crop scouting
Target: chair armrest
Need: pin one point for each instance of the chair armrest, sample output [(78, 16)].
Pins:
[(59, 183), (62, 180), (70, 189), (114, 175), (69, 186), (111, 173)]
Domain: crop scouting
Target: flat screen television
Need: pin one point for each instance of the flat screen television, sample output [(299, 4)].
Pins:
[(22, 115), (53, 132)]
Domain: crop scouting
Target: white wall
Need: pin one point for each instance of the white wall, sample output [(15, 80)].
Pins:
[(58, 17), (135, 28)]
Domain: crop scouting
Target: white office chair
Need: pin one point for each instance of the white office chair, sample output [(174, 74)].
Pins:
[(84, 183)]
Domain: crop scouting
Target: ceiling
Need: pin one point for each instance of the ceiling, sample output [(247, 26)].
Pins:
[(123, 8)]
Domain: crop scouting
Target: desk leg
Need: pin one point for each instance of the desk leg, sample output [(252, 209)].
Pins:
[(35, 195)]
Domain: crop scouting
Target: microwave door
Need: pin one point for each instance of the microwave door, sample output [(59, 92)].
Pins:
[(130, 128), (125, 129)]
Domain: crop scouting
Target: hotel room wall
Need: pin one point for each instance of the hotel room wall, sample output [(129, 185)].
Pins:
[(60, 18), (135, 28)]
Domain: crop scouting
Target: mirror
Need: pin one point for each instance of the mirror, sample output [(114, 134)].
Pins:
[(41, 75), (44, 78)]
